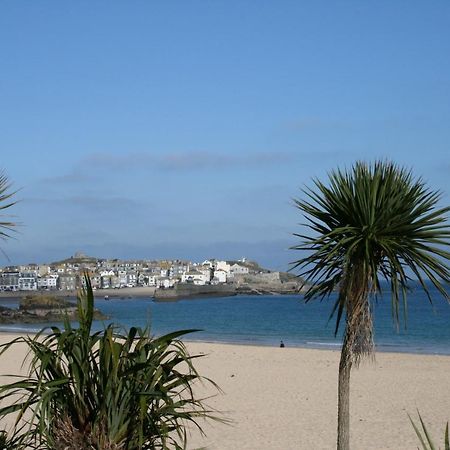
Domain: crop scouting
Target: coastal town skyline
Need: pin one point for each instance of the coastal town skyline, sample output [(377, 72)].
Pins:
[(185, 130), (191, 277)]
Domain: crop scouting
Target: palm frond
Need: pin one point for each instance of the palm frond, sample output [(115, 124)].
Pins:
[(7, 226), (425, 437)]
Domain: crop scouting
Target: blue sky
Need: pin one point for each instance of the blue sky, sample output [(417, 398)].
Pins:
[(183, 129)]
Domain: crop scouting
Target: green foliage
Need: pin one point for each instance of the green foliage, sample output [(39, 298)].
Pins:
[(105, 390), (6, 226), (425, 438), (16, 442), (372, 222)]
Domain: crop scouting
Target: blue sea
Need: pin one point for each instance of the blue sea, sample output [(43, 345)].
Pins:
[(265, 320)]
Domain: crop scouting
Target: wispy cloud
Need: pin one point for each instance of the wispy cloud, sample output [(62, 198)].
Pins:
[(89, 202), (72, 177), (209, 160), (92, 168), (185, 161)]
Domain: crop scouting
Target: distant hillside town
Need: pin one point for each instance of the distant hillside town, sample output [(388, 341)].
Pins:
[(67, 275)]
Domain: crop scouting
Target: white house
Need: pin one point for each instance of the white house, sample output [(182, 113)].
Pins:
[(106, 278), (122, 276), (206, 271), (177, 269), (208, 263), (47, 282), (131, 279), (107, 273), (96, 281), (195, 276), (237, 269), (223, 265), (43, 270), (27, 282), (164, 282), (220, 276), (9, 281)]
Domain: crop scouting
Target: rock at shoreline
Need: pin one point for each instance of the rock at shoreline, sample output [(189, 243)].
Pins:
[(42, 301), (42, 309)]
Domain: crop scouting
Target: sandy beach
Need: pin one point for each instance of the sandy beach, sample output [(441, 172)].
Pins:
[(285, 399)]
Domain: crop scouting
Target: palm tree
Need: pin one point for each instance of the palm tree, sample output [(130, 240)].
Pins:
[(372, 222), (6, 226)]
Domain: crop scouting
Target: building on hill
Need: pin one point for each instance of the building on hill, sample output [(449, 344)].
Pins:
[(68, 282), (122, 275), (132, 279), (195, 277), (220, 276), (28, 281), (223, 265), (47, 282), (164, 282), (238, 269), (9, 280)]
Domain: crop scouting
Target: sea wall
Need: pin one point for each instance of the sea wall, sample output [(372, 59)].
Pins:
[(184, 290)]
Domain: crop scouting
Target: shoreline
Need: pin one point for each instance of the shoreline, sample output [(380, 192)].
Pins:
[(335, 348), (165, 295), (135, 292)]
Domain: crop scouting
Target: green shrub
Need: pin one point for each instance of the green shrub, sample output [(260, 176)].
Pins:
[(105, 390), (16, 442)]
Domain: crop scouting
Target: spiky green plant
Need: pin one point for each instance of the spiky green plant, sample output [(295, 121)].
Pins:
[(106, 390), (14, 441), (369, 223), (425, 439), (6, 194)]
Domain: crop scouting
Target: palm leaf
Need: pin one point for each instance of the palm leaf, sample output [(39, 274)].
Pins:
[(425, 438), (7, 227)]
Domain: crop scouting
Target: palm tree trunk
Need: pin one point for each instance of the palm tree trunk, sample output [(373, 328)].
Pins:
[(345, 364), (358, 342)]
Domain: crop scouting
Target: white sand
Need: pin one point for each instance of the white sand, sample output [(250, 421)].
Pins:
[(285, 399)]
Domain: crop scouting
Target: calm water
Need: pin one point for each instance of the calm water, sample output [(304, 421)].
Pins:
[(264, 320)]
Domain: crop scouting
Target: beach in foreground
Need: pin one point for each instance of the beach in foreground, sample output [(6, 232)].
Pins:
[(285, 399)]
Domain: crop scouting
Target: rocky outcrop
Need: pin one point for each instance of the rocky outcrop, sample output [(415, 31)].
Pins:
[(42, 309)]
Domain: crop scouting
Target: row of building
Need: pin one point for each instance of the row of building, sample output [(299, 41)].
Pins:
[(67, 275)]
